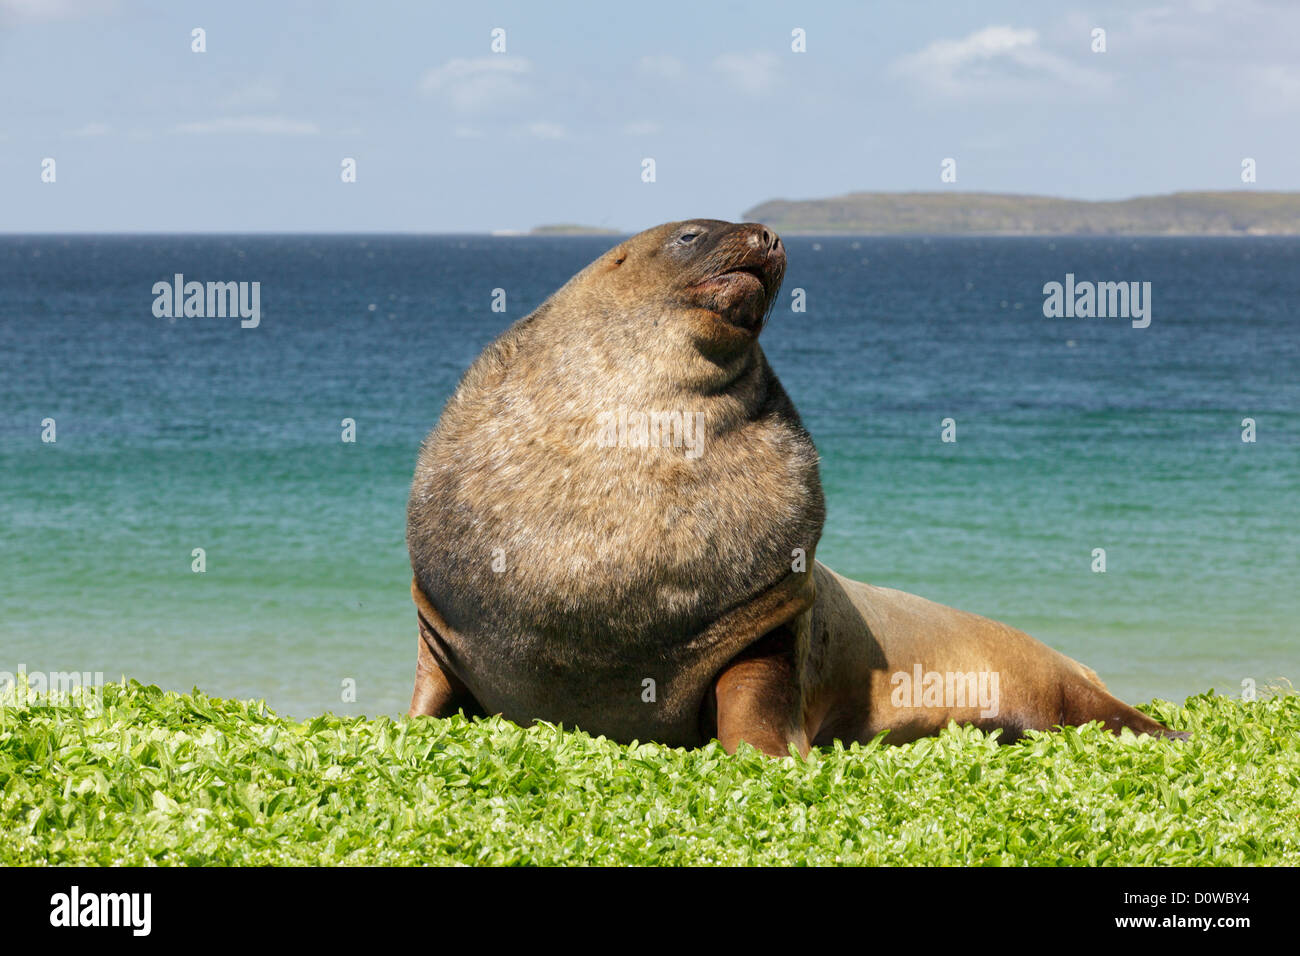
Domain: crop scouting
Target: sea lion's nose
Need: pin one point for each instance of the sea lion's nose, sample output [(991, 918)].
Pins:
[(774, 247), (765, 239)]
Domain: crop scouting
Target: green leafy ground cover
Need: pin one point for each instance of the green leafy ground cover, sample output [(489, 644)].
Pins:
[(161, 778)]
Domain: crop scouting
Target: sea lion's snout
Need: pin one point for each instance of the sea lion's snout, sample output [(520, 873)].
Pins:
[(754, 249), (740, 269)]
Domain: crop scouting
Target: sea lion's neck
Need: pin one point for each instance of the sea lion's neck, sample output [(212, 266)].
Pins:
[(731, 373), (723, 395)]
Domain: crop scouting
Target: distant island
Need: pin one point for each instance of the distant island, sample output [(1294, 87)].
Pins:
[(1240, 213), (570, 229)]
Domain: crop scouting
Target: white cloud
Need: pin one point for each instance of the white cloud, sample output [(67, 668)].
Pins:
[(469, 85), (259, 125), (749, 72), (1002, 62), (663, 66), (544, 130), (92, 129)]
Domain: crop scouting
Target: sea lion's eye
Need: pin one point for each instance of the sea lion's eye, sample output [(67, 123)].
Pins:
[(688, 237)]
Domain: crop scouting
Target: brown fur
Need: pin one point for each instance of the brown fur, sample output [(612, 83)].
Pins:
[(555, 576), (619, 563)]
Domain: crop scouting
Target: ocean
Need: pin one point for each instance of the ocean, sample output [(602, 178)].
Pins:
[(1072, 434)]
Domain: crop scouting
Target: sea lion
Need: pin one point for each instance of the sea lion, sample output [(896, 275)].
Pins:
[(613, 526)]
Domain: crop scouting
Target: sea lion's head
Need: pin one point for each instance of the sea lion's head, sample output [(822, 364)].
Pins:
[(716, 281)]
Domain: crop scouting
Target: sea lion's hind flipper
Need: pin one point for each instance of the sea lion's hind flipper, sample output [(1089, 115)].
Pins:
[(1086, 701)]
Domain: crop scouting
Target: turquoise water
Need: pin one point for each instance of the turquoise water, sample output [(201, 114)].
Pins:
[(1072, 434)]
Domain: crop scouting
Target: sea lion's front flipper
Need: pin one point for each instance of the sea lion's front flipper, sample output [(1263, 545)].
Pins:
[(758, 700), (438, 691)]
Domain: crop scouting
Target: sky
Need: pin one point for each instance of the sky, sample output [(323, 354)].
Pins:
[(450, 136)]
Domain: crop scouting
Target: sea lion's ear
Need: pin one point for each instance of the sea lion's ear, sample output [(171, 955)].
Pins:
[(617, 257)]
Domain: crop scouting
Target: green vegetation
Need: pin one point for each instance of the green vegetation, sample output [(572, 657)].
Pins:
[(1244, 212), (153, 777)]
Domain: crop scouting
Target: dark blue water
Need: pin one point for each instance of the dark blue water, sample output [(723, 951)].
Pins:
[(1072, 434)]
